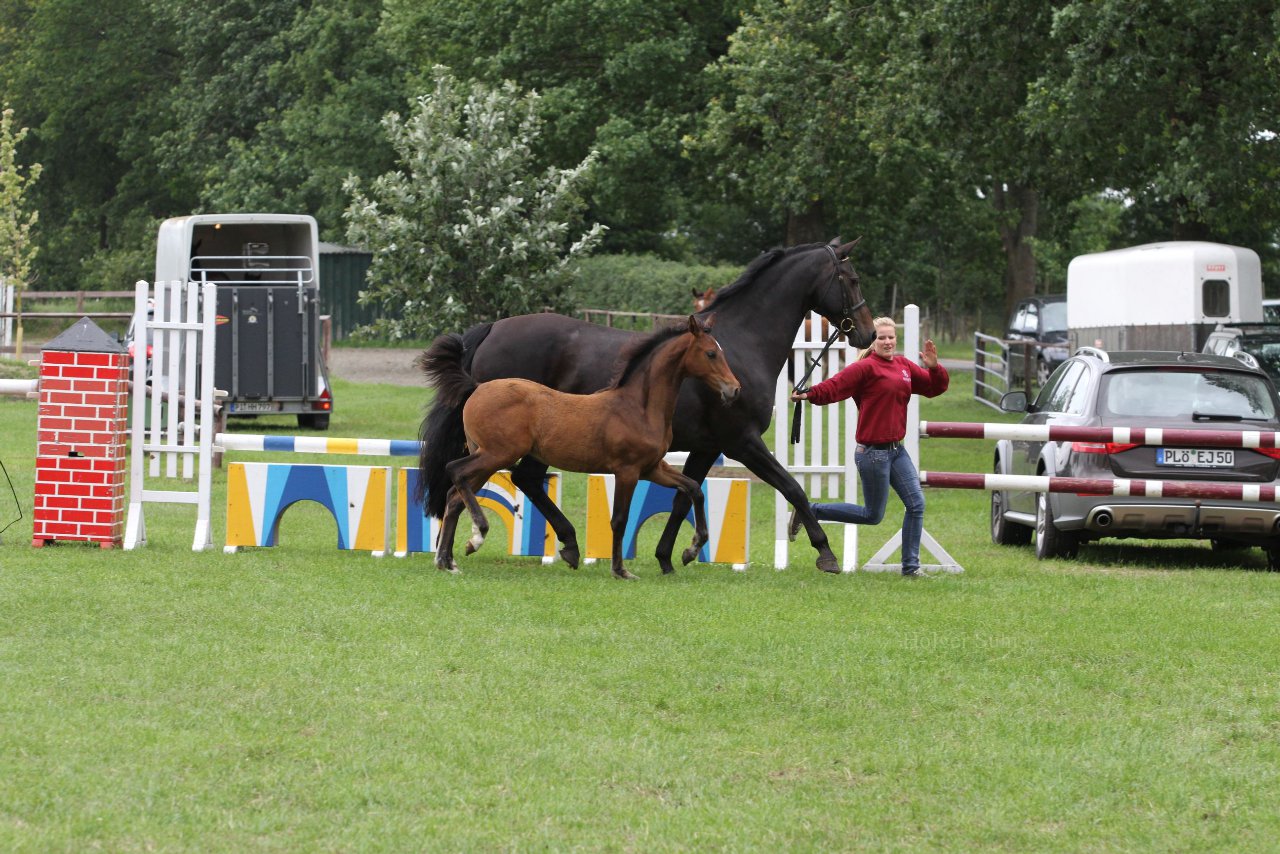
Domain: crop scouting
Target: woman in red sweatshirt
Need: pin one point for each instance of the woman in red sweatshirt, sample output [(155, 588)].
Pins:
[(881, 383)]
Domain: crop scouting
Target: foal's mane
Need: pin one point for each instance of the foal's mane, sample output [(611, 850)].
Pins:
[(635, 356), (754, 269)]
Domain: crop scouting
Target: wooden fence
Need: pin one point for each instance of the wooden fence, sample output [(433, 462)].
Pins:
[(10, 318)]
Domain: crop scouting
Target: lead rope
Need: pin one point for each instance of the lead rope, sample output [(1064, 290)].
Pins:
[(803, 385)]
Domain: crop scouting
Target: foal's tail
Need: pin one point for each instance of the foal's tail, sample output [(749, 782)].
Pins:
[(442, 436)]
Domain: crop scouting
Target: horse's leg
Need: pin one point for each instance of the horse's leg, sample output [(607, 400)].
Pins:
[(665, 475), (468, 474), (695, 468), (528, 475), (624, 487), (448, 528), (756, 457)]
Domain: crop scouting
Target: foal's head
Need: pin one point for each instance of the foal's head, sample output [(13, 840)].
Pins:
[(705, 361), (703, 299)]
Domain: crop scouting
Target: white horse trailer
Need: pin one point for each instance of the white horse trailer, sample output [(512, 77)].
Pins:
[(1161, 296), (268, 343)]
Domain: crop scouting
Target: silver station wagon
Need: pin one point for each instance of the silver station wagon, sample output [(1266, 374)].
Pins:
[(1187, 391)]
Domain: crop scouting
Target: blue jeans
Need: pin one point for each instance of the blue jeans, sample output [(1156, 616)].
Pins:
[(878, 470)]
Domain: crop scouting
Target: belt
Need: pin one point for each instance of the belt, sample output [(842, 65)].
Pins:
[(884, 446)]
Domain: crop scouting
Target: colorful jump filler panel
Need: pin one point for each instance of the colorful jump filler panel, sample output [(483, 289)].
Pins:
[(728, 505), (528, 533), (359, 497)]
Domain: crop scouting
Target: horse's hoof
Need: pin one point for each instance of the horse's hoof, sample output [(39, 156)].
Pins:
[(570, 556), (474, 544), (829, 564), (624, 575), (690, 555), (451, 568), (665, 563)]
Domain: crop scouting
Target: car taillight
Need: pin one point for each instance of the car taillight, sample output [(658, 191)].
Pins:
[(1102, 447), (1274, 453)]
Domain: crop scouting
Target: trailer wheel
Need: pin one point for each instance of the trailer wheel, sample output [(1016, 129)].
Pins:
[(313, 420)]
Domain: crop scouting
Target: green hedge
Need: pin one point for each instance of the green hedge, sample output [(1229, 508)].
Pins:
[(645, 283)]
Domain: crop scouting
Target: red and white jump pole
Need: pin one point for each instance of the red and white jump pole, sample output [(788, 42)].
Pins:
[(1095, 486), (1118, 435)]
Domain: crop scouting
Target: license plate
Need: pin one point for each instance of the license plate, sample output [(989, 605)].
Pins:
[(1196, 458), (254, 406)]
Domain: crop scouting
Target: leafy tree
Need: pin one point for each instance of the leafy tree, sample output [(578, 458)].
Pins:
[(466, 230), (800, 121), (86, 78), (619, 77), (17, 251), (322, 87), (953, 83), (782, 122), (1172, 104)]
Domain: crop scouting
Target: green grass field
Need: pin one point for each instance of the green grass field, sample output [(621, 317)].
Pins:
[(303, 699)]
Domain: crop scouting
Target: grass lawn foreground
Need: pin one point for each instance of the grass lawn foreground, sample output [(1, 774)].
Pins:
[(306, 699)]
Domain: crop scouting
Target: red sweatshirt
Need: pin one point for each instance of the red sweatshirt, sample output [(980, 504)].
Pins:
[(881, 388)]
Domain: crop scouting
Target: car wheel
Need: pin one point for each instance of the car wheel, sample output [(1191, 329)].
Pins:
[(1273, 559), (1004, 532), (1050, 540)]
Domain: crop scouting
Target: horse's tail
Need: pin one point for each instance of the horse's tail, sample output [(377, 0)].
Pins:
[(442, 435)]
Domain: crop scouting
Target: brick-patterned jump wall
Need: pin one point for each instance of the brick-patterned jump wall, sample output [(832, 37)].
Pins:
[(82, 432)]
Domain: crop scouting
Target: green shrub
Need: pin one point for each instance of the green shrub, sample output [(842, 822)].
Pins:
[(645, 283)]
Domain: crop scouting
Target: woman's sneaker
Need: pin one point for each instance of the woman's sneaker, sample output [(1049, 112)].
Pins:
[(913, 572), (793, 527)]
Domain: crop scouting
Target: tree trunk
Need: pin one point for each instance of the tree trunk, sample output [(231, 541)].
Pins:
[(808, 226), (1020, 212)]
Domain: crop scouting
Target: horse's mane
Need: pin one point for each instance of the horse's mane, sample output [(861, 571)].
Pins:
[(758, 265), (634, 356)]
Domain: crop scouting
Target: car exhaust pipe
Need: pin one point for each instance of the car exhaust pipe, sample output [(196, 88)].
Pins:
[(1102, 519)]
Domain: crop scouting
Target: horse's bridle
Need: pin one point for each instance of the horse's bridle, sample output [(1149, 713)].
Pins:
[(848, 281)]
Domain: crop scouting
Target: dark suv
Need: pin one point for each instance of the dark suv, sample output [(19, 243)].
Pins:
[(1042, 322), (1255, 344), (1144, 390)]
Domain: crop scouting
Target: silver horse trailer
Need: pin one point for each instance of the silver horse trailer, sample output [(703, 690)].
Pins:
[(268, 345)]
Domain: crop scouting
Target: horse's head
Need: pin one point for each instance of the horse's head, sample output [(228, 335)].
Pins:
[(840, 301), (702, 300), (705, 361)]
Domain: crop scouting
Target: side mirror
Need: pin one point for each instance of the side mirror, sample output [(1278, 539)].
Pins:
[(1014, 401)]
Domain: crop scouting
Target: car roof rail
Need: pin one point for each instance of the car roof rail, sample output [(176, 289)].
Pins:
[(1096, 352)]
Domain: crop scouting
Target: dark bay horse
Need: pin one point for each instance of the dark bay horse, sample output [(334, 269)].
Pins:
[(624, 430), (702, 302), (756, 321)]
